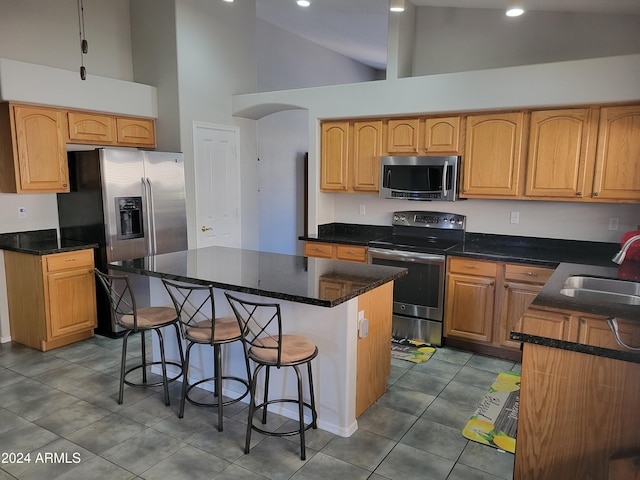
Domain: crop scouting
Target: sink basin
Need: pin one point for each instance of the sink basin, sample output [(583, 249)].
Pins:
[(598, 289)]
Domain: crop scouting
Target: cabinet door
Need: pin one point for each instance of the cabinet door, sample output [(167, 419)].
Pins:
[(442, 135), (365, 155), (402, 135), (41, 149), (617, 172), (595, 331), (555, 325), (469, 307), (516, 299), (493, 164), (72, 301), (136, 131), (561, 147), (334, 151), (91, 128)]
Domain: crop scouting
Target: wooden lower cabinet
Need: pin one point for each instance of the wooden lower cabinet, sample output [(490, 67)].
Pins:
[(52, 299), (578, 415), (470, 299), (484, 300), (336, 251)]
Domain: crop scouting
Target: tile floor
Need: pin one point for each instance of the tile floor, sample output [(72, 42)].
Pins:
[(60, 406)]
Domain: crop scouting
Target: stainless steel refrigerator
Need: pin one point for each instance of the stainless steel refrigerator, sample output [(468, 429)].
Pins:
[(131, 203)]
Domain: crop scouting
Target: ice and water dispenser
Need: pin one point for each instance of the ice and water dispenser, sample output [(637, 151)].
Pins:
[(129, 215)]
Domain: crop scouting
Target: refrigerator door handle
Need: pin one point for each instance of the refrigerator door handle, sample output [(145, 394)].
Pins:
[(153, 244), (147, 204)]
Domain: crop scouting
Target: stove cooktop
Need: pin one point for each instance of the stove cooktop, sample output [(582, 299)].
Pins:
[(415, 244), (423, 232)]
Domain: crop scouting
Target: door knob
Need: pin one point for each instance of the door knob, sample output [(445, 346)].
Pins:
[(204, 229)]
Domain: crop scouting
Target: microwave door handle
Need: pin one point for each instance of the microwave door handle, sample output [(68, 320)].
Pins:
[(388, 182), (444, 179)]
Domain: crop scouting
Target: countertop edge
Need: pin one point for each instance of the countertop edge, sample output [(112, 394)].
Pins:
[(576, 347), (257, 291), (49, 251)]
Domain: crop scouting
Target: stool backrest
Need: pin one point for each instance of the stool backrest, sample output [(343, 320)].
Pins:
[(121, 298), (260, 324), (194, 304)]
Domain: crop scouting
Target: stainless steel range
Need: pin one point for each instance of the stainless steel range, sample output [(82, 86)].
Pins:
[(419, 242)]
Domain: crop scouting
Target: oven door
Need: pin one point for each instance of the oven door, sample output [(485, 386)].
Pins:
[(420, 293)]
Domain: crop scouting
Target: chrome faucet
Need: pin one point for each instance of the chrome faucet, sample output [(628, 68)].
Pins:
[(619, 257)]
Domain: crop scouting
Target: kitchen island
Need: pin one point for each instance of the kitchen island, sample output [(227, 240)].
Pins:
[(343, 307), (578, 415)]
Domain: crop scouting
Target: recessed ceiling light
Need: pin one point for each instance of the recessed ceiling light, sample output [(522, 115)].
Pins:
[(228, 1), (397, 6), (303, 3), (514, 8)]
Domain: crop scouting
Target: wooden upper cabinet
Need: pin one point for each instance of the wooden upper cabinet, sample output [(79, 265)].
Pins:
[(91, 127), (33, 154), (561, 153), (441, 135), (403, 135), (350, 156), (493, 165), (334, 147), (617, 170), (365, 155), (136, 131)]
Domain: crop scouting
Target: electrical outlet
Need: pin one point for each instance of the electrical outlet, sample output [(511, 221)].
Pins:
[(515, 217), (613, 223), (22, 212), (362, 210)]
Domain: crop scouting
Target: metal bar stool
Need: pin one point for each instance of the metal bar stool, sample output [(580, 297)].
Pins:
[(195, 307), (140, 320), (265, 344)]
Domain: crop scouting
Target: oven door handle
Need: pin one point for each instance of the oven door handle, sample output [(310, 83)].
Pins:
[(405, 256)]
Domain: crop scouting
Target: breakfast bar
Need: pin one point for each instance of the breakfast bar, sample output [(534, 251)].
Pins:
[(345, 308)]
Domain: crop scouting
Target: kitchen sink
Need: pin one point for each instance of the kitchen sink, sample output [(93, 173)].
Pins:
[(599, 289)]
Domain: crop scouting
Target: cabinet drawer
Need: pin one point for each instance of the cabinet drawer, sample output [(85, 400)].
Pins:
[(473, 267), (527, 273), (315, 249), (353, 253), (69, 260)]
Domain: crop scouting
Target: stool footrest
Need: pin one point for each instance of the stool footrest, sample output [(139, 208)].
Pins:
[(215, 404), (147, 384), (313, 424)]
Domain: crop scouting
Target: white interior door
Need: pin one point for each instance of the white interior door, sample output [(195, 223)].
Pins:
[(217, 185)]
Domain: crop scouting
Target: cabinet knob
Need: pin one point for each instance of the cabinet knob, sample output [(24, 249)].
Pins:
[(595, 194), (506, 285), (579, 194)]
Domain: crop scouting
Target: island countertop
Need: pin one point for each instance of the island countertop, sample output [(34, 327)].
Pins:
[(287, 277)]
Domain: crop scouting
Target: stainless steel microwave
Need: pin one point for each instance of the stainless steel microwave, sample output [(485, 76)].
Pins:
[(419, 178)]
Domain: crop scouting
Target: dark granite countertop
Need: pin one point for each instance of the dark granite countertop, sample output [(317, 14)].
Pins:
[(40, 242), (550, 297), (287, 277), (548, 252), (348, 233)]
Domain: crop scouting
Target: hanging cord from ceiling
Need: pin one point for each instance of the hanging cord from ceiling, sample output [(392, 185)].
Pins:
[(84, 45)]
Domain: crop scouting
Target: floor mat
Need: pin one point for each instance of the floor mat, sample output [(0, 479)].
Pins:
[(414, 351), (495, 421)]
